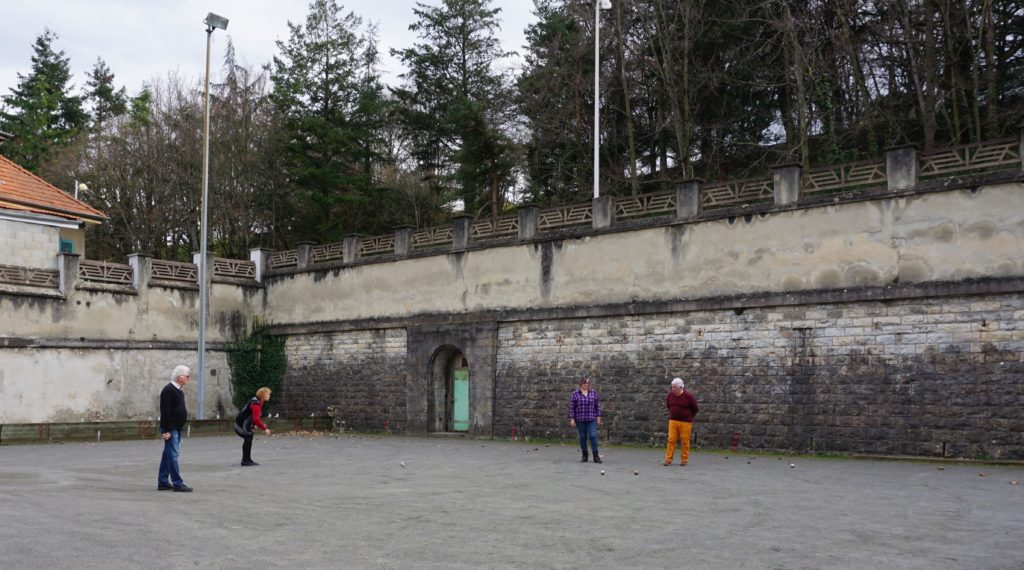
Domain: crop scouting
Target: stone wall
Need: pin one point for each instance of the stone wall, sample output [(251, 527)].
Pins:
[(884, 321), (925, 373), (930, 377), (360, 374)]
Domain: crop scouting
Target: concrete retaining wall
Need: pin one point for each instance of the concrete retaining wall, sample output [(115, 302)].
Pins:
[(95, 354), (937, 236)]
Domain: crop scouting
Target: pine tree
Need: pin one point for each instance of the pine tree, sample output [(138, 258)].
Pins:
[(457, 105), (106, 101), (41, 112), (328, 95), (555, 98)]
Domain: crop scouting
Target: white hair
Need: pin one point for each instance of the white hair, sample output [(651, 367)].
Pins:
[(678, 382), (179, 370)]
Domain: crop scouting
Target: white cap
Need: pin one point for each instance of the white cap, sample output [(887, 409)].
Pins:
[(678, 382)]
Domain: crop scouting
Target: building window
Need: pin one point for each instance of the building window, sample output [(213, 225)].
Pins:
[(67, 246)]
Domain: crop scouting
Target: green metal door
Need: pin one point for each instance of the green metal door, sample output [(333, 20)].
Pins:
[(460, 405)]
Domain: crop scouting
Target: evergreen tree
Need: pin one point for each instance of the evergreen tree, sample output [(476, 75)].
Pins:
[(457, 106), (106, 101), (556, 97), (41, 112), (328, 95)]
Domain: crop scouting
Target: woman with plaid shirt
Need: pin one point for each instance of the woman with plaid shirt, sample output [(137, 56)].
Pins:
[(585, 416)]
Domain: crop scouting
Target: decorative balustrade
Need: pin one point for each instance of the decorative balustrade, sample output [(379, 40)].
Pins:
[(736, 193), (971, 157), (376, 245), (283, 259), (234, 268), (784, 187), (844, 177), (325, 252), (566, 216), (494, 228), (17, 275), (174, 271), (104, 272), (645, 205), (432, 237)]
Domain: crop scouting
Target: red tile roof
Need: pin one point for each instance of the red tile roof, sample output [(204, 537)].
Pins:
[(19, 187)]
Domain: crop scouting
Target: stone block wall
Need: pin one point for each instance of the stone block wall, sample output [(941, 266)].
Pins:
[(28, 245), (927, 377), (360, 373)]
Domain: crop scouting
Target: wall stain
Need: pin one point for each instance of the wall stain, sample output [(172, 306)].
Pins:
[(458, 260), (547, 261), (676, 235)]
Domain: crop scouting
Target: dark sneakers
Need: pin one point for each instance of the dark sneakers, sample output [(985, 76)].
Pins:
[(597, 459), (164, 487), (183, 488), (249, 464)]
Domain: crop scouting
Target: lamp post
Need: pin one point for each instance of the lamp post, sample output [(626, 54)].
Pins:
[(212, 21), (598, 6)]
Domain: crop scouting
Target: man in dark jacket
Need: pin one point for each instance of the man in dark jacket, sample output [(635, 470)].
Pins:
[(173, 415), (682, 407)]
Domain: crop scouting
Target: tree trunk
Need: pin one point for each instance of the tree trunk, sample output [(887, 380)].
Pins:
[(634, 183), (797, 68), (990, 70)]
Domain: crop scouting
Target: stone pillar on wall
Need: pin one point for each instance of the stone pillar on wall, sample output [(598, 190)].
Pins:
[(304, 248), (460, 231), (259, 256), (603, 208), (67, 263), (350, 248), (140, 263), (688, 199), (901, 167), (787, 183), (403, 240), (197, 259), (1020, 147), (529, 217)]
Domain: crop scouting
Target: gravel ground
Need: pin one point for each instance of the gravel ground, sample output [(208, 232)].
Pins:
[(429, 502)]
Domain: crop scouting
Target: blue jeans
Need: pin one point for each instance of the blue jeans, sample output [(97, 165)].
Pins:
[(169, 461), (587, 429)]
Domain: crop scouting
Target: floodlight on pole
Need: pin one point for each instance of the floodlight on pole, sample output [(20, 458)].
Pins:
[(213, 22), (598, 6)]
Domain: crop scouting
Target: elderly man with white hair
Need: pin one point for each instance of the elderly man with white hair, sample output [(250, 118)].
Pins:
[(682, 407), (173, 415)]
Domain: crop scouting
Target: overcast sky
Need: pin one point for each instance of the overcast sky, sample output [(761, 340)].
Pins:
[(145, 39)]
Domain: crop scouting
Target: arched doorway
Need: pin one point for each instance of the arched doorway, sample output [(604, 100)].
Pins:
[(448, 402)]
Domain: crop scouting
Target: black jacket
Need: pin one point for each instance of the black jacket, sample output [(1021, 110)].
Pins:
[(173, 413), (243, 421)]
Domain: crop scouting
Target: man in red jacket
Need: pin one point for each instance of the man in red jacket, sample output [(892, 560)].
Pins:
[(682, 407)]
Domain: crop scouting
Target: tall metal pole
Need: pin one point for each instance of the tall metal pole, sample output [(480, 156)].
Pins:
[(597, 95), (203, 293)]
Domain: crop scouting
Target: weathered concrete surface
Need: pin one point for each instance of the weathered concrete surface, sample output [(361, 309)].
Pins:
[(941, 236), (78, 384), (348, 503)]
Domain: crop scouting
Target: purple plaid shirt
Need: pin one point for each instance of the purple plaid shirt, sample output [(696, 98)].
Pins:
[(584, 408)]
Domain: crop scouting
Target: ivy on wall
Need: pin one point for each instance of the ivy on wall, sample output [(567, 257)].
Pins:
[(256, 360)]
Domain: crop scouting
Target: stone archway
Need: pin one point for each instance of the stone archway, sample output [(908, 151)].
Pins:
[(435, 353), (449, 391)]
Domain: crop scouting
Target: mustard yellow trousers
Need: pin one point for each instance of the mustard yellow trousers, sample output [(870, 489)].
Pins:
[(678, 432)]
